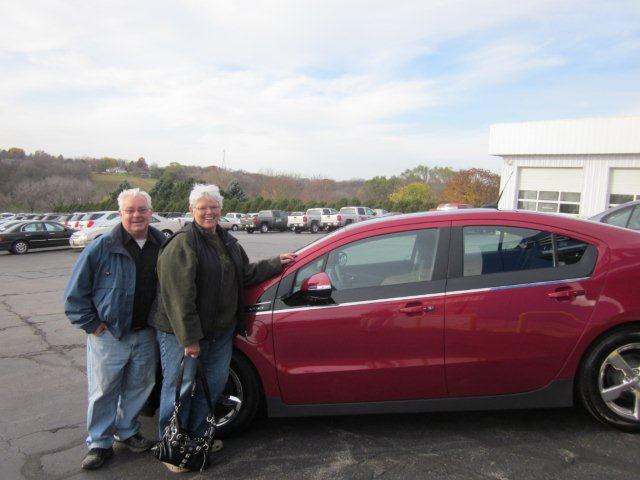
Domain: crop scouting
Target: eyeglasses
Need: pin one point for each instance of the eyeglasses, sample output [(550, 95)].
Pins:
[(207, 209), (141, 211)]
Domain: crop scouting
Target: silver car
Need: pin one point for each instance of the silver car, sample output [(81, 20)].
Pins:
[(626, 215)]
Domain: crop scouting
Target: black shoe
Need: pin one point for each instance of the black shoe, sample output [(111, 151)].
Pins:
[(96, 458), (137, 443)]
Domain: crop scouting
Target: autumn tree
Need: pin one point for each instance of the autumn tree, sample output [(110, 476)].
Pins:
[(474, 186), (413, 197), (435, 177)]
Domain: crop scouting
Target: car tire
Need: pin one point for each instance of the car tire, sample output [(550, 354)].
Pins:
[(249, 230), (605, 386), (243, 383), (167, 233), (264, 228), (297, 230), (314, 228), (20, 247), (234, 228)]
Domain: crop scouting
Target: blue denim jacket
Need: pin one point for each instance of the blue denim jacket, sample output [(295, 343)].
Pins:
[(102, 285)]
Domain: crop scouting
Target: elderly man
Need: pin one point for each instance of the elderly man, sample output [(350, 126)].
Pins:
[(109, 295)]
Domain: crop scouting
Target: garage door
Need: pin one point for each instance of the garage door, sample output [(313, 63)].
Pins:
[(624, 185), (552, 190)]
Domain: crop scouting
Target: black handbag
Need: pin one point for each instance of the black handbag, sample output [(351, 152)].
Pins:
[(180, 447)]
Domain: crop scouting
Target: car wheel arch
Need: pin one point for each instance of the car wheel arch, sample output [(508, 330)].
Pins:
[(581, 381)]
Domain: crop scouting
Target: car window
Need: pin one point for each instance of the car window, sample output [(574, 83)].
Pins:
[(360, 211), (391, 259), (33, 227), (316, 266), (369, 211), (111, 216), (634, 221), (53, 227), (348, 210), (505, 249), (570, 251), (154, 219), (619, 218)]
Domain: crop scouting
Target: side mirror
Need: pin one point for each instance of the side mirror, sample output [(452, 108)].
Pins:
[(317, 287)]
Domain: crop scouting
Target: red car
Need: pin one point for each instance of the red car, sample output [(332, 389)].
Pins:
[(459, 310)]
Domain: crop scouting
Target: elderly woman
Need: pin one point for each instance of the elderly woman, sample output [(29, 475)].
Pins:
[(202, 271)]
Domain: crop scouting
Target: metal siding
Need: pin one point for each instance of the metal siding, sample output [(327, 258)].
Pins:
[(615, 135), (596, 176)]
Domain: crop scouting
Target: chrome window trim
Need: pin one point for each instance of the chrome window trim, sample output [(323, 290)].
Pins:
[(418, 297)]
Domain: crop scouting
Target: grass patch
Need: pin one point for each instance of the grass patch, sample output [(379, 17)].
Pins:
[(108, 182)]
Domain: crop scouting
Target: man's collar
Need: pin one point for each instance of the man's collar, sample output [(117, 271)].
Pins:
[(126, 236)]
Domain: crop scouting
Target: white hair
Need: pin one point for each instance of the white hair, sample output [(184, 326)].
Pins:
[(201, 191), (132, 193)]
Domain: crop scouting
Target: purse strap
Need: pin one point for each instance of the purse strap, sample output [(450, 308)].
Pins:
[(200, 377)]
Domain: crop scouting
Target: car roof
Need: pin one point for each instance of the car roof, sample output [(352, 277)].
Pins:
[(610, 234), (598, 217)]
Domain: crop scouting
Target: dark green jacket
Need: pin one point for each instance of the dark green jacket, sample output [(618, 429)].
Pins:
[(190, 276)]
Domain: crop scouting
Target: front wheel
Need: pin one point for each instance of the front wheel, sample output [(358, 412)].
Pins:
[(315, 228), (243, 384), (234, 228), (264, 228), (249, 230), (20, 247), (609, 380), (167, 233)]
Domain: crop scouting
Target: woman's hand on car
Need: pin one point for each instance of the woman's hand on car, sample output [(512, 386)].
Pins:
[(287, 258)]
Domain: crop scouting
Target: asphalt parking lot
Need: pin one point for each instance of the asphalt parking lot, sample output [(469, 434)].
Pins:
[(43, 402)]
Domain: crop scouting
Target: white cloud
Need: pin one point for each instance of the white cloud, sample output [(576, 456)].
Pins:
[(308, 87)]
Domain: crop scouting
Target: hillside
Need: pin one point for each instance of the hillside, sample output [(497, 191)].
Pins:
[(108, 182)]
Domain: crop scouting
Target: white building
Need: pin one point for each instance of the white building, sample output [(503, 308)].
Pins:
[(578, 167)]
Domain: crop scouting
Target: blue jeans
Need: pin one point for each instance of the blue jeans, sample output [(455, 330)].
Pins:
[(120, 375), (215, 357)]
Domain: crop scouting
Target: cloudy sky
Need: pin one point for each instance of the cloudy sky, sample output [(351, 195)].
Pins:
[(342, 89)]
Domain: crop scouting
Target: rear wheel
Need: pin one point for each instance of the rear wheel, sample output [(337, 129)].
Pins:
[(234, 228), (20, 247), (167, 233), (314, 228), (244, 384), (249, 230), (609, 380)]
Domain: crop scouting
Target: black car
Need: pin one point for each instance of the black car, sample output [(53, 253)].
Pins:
[(20, 237)]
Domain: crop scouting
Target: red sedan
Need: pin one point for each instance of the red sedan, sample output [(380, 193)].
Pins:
[(459, 310)]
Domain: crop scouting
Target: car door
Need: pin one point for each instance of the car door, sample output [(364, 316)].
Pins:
[(518, 298), (380, 337), (35, 234), (56, 234)]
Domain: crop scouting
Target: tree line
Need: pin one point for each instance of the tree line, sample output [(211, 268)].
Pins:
[(43, 182)]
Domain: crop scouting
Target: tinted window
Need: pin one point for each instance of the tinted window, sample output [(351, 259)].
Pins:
[(620, 218), (112, 216), (505, 249), (391, 259), (53, 227), (348, 211), (360, 211), (314, 211), (570, 251)]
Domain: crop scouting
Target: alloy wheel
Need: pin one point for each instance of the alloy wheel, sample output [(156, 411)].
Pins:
[(619, 381)]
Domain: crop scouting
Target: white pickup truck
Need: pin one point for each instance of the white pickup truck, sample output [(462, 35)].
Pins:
[(311, 220), (347, 215)]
